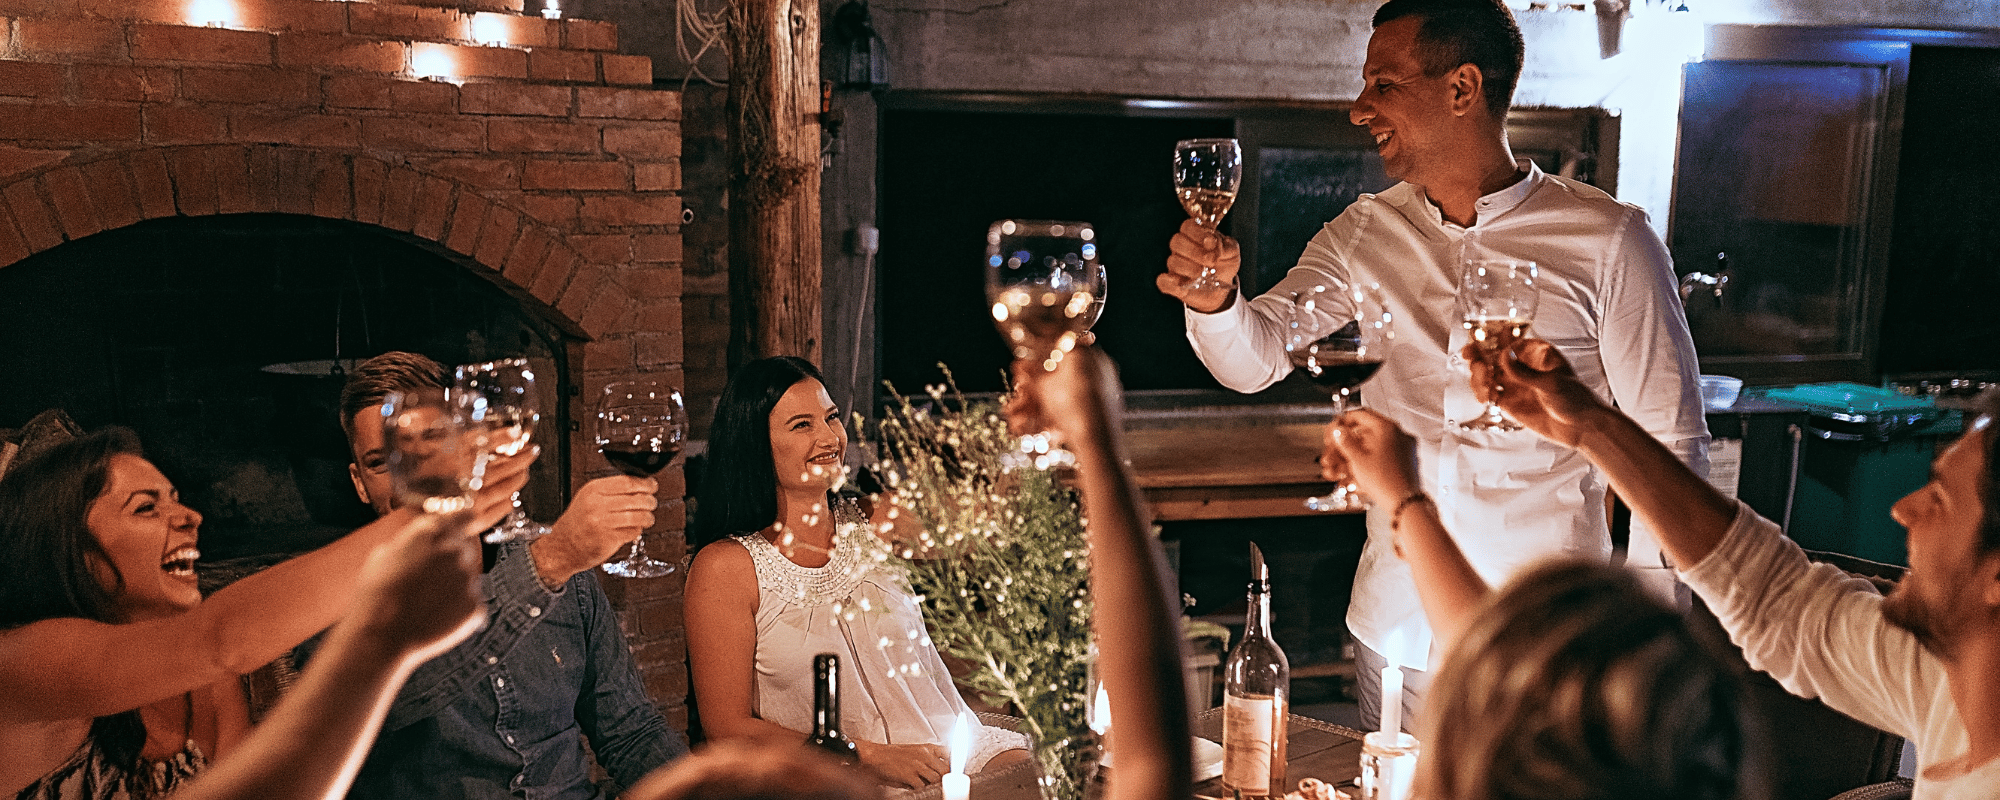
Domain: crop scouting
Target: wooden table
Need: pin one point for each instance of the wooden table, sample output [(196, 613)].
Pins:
[(1228, 471), (1316, 749)]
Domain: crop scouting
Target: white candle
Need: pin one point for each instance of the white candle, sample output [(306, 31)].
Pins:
[(1392, 685), (956, 784), (1392, 699)]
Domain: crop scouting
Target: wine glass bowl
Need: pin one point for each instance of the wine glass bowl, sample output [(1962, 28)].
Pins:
[(1046, 287), (641, 428), (1498, 297), (1207, 175), (497, 401), (429, 452), (1340, 359)]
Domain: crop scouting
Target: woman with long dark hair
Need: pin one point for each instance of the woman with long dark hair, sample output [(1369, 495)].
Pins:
[(117, 680), (790, 571)]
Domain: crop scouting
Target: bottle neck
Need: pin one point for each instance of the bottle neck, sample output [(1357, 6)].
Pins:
[(1258, 621), (826, 697)]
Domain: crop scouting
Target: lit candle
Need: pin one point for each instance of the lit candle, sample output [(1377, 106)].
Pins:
[(957, 785), (552, 10), (1392, 686)]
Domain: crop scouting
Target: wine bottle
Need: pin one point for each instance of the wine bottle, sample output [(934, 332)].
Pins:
[(826, 733), (1256, 685)]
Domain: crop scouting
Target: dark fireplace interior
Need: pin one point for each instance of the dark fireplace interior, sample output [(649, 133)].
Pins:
[(217, 339)]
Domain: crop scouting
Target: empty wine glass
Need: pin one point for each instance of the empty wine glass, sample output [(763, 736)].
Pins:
[(1339, 358), (1207, 173), (641, 428), (1498, 297), (497, 400), (1046, 287), (429, 454)]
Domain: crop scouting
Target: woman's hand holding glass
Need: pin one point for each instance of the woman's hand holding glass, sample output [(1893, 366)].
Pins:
[(1370, 451)]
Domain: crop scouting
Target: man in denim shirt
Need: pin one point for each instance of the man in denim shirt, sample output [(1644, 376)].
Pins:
[(500, 715)]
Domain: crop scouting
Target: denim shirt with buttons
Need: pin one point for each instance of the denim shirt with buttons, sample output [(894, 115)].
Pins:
[(505, 713)]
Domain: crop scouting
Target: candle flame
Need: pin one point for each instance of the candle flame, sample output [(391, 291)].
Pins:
[(961, 743)]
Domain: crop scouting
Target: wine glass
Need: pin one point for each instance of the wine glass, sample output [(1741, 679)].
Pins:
[(641, 427), (1342, 358), (497, 400), (429, 452), (1207, 173), (1046, 287), (1498, 297)]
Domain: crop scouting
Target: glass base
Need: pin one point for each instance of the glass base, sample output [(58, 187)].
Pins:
[(1388, 762), (1492, 419), (643, 568), (1036, 451), (516, 528), (636, 564), (1343, 498)]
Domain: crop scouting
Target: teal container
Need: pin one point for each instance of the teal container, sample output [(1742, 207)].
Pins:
[(1864, 449)]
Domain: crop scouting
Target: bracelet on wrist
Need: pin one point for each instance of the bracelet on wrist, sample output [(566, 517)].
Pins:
[(1396, 517)]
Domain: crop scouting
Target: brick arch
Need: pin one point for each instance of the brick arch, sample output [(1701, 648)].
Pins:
[(530, 260)]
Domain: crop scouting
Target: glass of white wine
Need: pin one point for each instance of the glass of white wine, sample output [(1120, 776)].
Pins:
[(1498, 297), (1207, 173), (1046, 286), (497, 400)]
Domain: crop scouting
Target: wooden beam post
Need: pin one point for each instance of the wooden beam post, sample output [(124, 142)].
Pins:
[(774, 144)]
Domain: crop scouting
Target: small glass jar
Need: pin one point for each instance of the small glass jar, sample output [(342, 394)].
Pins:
[(1388, 762)]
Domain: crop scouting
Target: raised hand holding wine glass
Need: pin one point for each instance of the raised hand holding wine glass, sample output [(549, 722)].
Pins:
[(1498, 296), (497, 400), (1207, 174), (641, 428), (1047, 287), (1340, 359)]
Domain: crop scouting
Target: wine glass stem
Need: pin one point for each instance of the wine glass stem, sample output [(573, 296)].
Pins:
[(1339, 403)]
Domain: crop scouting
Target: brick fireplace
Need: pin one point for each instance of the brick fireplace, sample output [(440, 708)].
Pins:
[(525, 151)]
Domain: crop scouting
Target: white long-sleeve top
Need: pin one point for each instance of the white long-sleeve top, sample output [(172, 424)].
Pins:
[(1821, 633), (1607, 301)]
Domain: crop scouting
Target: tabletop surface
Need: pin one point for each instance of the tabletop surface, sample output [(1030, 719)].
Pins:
[(1315, 749)]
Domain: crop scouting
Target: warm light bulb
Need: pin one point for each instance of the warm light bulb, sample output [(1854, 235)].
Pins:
[(490, 29), (552, 10), (212, 13), (433, 62)]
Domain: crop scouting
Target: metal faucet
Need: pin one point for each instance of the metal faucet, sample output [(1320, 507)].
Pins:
[(1715, 282)]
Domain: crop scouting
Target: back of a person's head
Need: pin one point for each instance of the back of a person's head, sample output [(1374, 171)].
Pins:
[(1573, 683), (46, 547), (740, 770), (739, 485), (375, 379), (1482, 33)]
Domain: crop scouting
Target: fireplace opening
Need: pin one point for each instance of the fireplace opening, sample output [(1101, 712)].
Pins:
[(216, 339)]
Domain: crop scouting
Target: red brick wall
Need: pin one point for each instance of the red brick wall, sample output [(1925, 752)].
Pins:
[(552, 170)]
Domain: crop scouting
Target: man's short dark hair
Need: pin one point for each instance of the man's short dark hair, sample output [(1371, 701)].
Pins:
[(373, 380), (1477, 32)]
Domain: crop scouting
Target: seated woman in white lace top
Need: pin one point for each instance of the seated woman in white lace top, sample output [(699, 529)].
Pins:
[(800, 575)]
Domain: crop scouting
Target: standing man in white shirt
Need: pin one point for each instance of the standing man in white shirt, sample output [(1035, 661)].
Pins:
[(1439, 78)]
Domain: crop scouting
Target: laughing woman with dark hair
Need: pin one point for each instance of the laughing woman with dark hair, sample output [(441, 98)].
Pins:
[(117, 680), (791, 572)]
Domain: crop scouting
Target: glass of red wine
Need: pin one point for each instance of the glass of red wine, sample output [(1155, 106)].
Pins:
[(1339, 358), (1047, 288), (641, 427)]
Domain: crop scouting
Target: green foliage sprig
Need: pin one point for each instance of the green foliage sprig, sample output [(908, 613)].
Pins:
[(1001, 567)]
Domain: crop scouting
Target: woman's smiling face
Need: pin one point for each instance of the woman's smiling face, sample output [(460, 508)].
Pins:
[(808, 439), (149, 538)]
